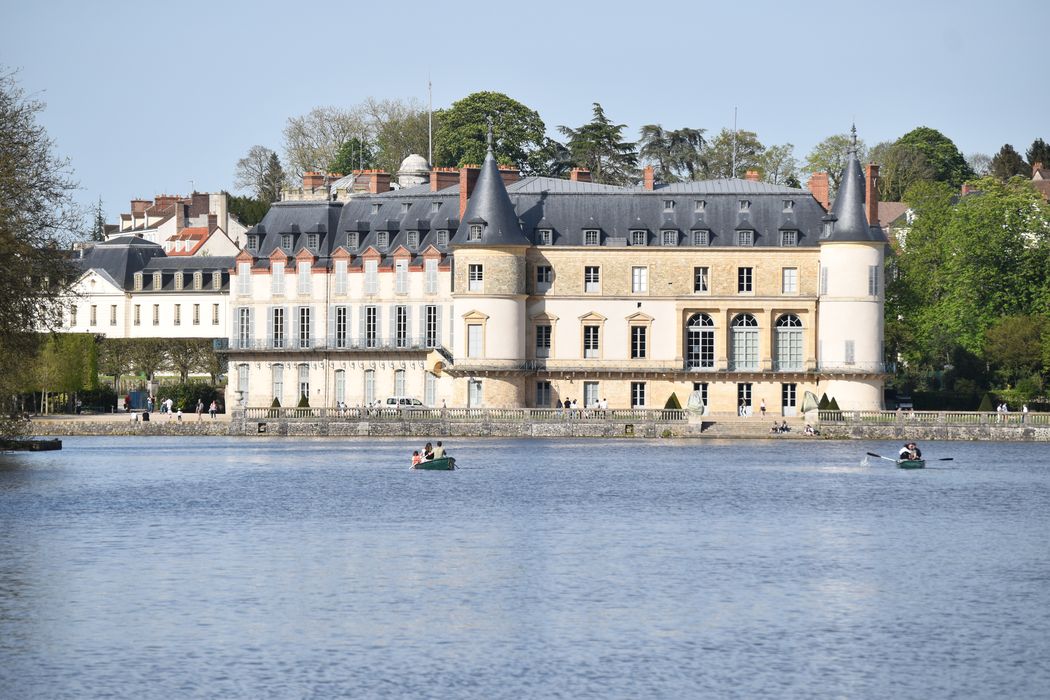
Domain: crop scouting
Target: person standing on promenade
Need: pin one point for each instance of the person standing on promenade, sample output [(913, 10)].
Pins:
[(200, 410)]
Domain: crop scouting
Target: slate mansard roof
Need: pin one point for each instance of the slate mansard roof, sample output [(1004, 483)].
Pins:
[(120, 258)]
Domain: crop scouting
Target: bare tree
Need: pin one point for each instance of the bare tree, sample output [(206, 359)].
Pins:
[(779, 164), (312, 141), (980, 163), (399, 128), (251, 170)]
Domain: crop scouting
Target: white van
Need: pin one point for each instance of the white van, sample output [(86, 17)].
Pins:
[(402, 402)]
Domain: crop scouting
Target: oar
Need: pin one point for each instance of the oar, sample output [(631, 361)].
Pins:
[(944, 459), (888, 459)]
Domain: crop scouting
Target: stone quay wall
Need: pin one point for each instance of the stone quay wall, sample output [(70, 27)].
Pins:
[(58, 428)]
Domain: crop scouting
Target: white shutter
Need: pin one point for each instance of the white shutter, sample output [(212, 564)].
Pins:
[(269, 327), (292, 327), (423, 325), (251, 325), (393, 325), (437, 325), (361, 325), (408, 327), (329, 329)]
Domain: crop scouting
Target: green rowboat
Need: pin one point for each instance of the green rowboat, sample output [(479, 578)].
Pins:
[(440, 464), (911, 463)]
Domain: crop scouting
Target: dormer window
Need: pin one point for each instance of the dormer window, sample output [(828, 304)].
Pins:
[(639, 237), (383, 239), (668, 205), (313, 241), (375, 208), (286, 241), (405, 206), (789, 239), (702, 237), (669, 237), (253, 243), (474, 232), (699, 206), (352, 239), (178, 281), (745, 239), (216, 280), (591, 236), (198, 280), (413, 239), (435, 207), (442, 237), (745, 205), (138, 282), (157, 280), (789, 206), (544, 236), (827, 226)]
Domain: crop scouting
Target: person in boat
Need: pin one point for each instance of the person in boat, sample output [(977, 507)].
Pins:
[(439, 451), (910, 451), (416, 459), (428, 452)]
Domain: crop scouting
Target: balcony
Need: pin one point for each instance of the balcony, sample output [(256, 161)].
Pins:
[(328, 344)]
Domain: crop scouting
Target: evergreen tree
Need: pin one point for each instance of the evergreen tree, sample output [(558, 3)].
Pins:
[(98, 225), (676, 155), (272, 181), (462, 132), (720, 161), (354, 154), (1038, 152), (1007, 163), (598, 146), (941, 155), (831, 155)]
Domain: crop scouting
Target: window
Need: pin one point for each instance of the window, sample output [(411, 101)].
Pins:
[(789, 239), (789, 206), (244, 278), (475, 277), (543, 394), (214, 314), (277, 381), (277, 327), (789, 280), (590, 341), (669, 237), (242, 381), (382, 239), (701, 280), (399, 382), (304, 381), (158, 281), (340, 387), (178, 315), (371, 326), (543, 340), (637, 394), (788, 398), (341, 279), (196, 314), (591, 236), (405, 206), (745, 239), (591, 279), (375, 208), (156, 314), (873, 280), (73, 315), (639, 237), (138, 281), (474, 340), (178, 281), (743, 398), (668, 205), (371, 276), (701, 237), (700, 342), (286, 241), (113, 314), (400, 329), (474, 393), (370, 386), (640, 280), (216, 280), (413, 240), (851, 357), (544, 277), (429, 388), (744, 280), (442, 237), (639, 345), (544, 236), (789, 343), (353, 239), (138, 315), (277, 279), (401, 276), (745, 205), (430, 269), (252, 243), (198, 280), (823, 281), (745, 343), (699, 206), (244, 327), (590, 394), (435, 207), (342, 326), (431, 326), (303, 280), (304, 326), (474, 232)]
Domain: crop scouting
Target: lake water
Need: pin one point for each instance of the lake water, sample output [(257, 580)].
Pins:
[(293, 568)]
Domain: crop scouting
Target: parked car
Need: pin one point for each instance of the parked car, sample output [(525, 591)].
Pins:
[(403, 402)]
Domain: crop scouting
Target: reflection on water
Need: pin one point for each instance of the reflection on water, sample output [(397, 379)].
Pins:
[(320, 568)]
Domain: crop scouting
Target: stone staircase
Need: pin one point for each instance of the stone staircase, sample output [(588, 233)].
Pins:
[(753, 427)]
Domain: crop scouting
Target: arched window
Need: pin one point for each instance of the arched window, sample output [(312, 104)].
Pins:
[(340, 387), (744, 347), (304, 381), (370, 386), (399, 382), (788, 343), (700, 342)]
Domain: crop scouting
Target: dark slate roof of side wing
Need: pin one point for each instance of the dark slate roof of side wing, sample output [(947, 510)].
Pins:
[(491, 203), (120, 258), (301, 218), (851, 225)]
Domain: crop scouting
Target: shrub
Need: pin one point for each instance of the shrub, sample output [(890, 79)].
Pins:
[(833, 405), (986, 403), (672, 402), (185, 396), (303, 402), (823, 404)]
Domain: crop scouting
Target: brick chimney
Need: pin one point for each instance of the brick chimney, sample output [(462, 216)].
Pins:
[(468, 177), (510, 174), (440, 178), (649, 178), (311, 181), (138, 206), (871, 193), (163, 201), (213, 222), (818, 185), (199, 204), (752, 176), (580, 175), (378, 181)]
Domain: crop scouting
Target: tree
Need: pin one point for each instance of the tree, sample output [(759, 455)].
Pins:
[(400, 128), (979, 163), (186, 355), (114, 358), (831, 156), (38, 217), (719, 162), (779, 166), (1014, 345), (676, 155), (354, 154), (98, 223), (311, 141), (1007, 163), (260, 173), (941, 154), (900, 167), (1038, 152), (461, 136), (248, 210), (598, 146), (147, 356)]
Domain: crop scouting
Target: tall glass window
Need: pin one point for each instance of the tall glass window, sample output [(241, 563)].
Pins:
[(745, 343), (543, 340), (277, 325), (399, 382), (474, 340), (639, 342), (543, 394), (244, 327), (431, 329), (304, 381), (590, 341), (277, 279), (591, 278), (371, 324), (475, 278), (303, 277), (789, 280), (340, 387), (700, 342), (789, 343), (304, 326), (341, 277), (342, 324), (370, 386), (401, 327), (277, 381), (637, 394), (429, 389)]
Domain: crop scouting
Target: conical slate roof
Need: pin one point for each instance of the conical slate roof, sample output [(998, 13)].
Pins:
[(851, 223), (490, 206)]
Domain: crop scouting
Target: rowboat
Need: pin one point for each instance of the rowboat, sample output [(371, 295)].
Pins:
[(440, 464), (911, 463)]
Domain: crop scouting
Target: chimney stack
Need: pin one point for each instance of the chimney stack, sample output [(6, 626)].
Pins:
[(752, 176), (649, 178), (138, 206), (311, 181), (509, 174), (440, 178), (871, 194), (818, 185), (580, 175), (378, 181), (468, 177), (213, 223)]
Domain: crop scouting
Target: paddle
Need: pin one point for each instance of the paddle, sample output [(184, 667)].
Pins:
[(890, 459)]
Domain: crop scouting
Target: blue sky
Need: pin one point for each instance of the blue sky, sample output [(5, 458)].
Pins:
[(145, 97)]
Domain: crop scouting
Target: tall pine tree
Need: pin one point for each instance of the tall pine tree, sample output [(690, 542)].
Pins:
[(1007, 163), (598, 146)]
